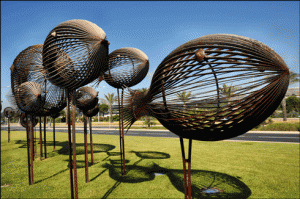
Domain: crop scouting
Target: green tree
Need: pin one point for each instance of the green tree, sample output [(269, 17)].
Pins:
[(110, 99), (292, 104), (294, 78), (103, 108)]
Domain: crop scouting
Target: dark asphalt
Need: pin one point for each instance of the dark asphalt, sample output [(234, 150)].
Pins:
[(286, 137)]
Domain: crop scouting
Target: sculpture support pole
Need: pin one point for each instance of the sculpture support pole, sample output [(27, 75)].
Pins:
[(70, 144), (74, 148), (85, 149), (45, 146), (34, 143), (53, 134), (41, 143), (28, 151), (121, 137), (91, 142), (187, 174), (8, 130), (122, 127), (31, 146)]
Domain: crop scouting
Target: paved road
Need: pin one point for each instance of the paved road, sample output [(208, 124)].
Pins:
[(263, 136)]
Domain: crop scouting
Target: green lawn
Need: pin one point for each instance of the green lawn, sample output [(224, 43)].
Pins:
[(238, 169)]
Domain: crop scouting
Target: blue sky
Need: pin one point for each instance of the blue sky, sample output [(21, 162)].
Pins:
[(154, 27)]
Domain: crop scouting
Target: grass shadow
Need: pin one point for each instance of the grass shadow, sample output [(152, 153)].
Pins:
[(228, 186), (97, 148), (151, 154)]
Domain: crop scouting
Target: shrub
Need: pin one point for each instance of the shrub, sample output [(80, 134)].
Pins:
[(281, 127)]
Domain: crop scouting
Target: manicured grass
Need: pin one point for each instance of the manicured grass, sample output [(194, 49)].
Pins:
[(238, 169)]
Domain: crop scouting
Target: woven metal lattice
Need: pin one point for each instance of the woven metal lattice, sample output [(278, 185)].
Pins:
[(75, 53), (28, 67), (24, 122), (212, 88), (127, 67), (30, 97), (85, 98), (92, 112), (8, 112)]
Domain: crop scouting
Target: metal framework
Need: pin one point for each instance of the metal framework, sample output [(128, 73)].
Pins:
[(90, 113), (86, 100), (212, 88), (127, 67), (75, 53), (8, 112)]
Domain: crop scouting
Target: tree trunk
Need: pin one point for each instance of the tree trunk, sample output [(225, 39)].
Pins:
[(284, 109)]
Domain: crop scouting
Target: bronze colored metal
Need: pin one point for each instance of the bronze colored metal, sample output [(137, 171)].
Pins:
[(28, 150), (8, 112), (257, 75), (75, 53), (90, 113), (41, 143), (127, 67), (85, 149), (24, 122), (212, 88), (187, 163), (70, 145), (45, 144), (91, 141), (86, 100), (28, 67), (74, 149)]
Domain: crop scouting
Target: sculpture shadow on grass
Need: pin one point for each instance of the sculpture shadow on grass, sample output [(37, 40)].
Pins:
[(134, 173), (97, 148), (226, 185)]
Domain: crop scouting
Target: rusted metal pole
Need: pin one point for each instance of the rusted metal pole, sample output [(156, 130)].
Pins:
[(187, 173), (45, 145), (8, 130), (34, 143), (70, 144), (41, 143), (91, 142), (122, 127), (53, 134), (85, 150), (122, 155), (74, 148), (28, 150), (31, 146)]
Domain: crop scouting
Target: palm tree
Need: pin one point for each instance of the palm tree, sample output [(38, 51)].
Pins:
[(110, 99), (184, 97), (228, 91)]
